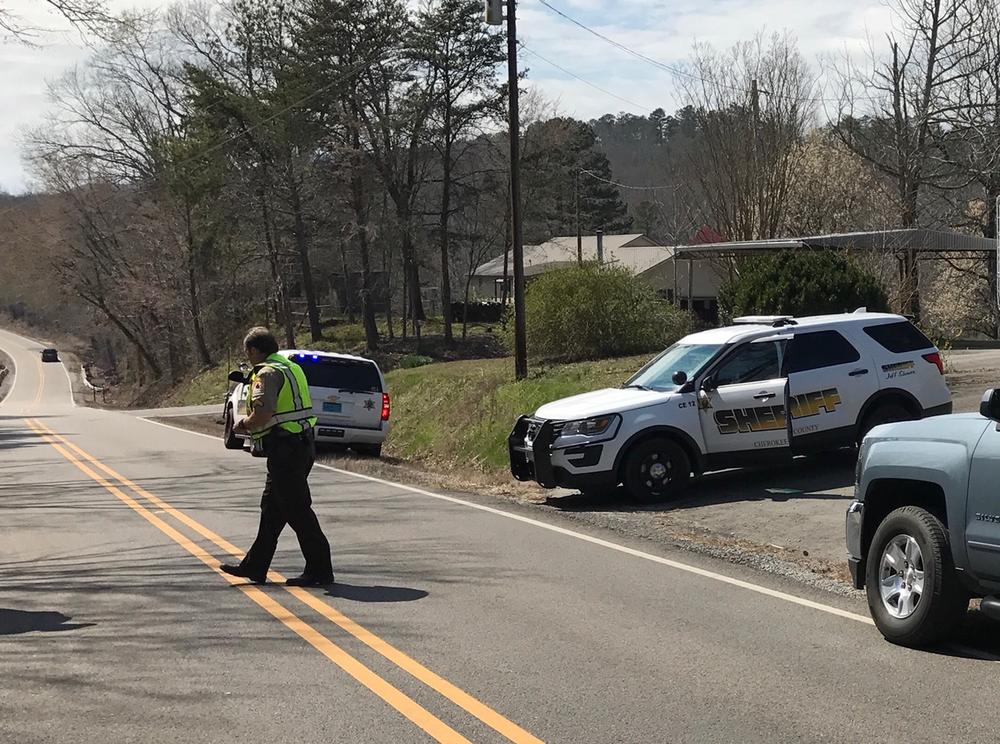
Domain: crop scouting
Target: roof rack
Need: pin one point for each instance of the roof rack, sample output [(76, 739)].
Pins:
[(775, 321)]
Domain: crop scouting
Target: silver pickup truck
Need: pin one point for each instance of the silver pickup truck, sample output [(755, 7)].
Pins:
[(923, 533)]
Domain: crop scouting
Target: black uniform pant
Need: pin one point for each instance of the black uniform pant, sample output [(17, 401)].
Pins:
[(286, 500)]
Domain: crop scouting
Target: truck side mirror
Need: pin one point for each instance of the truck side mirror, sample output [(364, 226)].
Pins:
[(989, 406), (237, 376), (679, 377)]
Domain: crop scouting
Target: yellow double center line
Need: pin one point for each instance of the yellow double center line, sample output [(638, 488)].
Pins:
[(420, 716)]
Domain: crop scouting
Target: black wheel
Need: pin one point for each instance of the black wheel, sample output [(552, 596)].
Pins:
[(368, 450), (229, 437), (656, 470), (913, 592), (885, 413)]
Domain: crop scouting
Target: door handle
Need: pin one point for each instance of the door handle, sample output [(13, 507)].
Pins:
[(763, 396), (856, 372)]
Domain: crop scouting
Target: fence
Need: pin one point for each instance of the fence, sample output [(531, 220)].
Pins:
[(85, 374)]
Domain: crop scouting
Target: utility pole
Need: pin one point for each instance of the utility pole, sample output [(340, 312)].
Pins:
[(494, 16), (579, 233), (995, 278)]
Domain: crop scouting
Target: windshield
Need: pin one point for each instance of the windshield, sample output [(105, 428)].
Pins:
[(687, 358)]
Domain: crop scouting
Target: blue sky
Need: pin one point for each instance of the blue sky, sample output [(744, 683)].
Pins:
[(662, 30)]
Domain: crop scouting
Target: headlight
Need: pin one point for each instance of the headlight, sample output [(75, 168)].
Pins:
[(591, 427)]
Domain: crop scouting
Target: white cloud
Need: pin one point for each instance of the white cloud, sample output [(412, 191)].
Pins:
[(661, 30)]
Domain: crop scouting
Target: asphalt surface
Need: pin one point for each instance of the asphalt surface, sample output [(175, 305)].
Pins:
[(452, 619)]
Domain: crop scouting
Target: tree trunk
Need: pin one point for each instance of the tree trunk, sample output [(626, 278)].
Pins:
[(367, 306), (348, 306), (192, 268), (406, 299), (445, 230), (281, 306), (302, 245)]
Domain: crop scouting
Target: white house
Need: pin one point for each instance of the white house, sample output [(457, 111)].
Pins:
[(694, 283)]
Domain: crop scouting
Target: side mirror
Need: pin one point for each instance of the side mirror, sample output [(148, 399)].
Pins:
[(237, 376), (708, 384), (679, 377), (989, 406)]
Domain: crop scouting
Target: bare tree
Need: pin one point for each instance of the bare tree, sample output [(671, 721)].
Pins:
[(752, 106), (896, 112)]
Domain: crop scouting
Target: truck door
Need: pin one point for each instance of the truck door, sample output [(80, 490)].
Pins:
[(742, 407), (828, 383), (982, 531)]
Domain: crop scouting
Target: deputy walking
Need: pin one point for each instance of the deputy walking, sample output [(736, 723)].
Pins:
[(280, 423)]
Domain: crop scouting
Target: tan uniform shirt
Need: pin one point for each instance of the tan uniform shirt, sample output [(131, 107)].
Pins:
[(266, 387)]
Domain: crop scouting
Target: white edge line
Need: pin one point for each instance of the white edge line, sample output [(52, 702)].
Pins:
[(581, 536), (69, 379)]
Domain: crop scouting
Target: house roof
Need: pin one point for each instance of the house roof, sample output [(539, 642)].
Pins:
[(932, 241), (636, 252)]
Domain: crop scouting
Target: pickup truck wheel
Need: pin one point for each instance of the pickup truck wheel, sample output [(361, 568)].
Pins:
[(914, 596), (886, 413), (656, 470), (229, 438)]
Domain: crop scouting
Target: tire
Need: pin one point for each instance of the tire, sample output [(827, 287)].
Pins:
[(645, 481), (368, 450), (884, 413), (229, 438), (910, 537)]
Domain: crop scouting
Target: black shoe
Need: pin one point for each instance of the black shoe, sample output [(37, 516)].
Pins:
[(310, 580), (243, 573)]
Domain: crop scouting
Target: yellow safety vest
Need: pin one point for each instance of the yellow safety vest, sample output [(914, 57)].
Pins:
[(294, 411)]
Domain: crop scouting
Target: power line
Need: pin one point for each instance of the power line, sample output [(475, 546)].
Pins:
[(585, 81), (673, 68), (674, 187)]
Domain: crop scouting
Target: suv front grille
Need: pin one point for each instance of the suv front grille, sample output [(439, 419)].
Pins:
[(535, 425)]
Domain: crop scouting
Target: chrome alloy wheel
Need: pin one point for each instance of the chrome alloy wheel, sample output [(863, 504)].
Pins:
[(901, 576)]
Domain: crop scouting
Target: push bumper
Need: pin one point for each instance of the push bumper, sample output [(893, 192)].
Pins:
[(530, 449), (534, 462)]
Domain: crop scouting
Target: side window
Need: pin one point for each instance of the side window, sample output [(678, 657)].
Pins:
[(751, 363), (900, 337), (819, 349)]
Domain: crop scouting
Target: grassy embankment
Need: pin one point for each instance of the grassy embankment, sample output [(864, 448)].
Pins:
[(457, 415)]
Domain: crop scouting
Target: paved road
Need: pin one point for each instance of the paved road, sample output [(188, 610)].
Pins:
[(454, 621)]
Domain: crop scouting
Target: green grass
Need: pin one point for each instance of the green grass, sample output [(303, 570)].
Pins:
[(206, 387), (460, 413), (456, 414)]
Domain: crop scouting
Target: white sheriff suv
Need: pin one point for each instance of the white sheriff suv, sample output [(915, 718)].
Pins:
[(718, 399), (349, 397)]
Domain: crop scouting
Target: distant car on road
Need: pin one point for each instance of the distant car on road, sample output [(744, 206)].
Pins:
[(923, 533), (50, 355), (349, 396), (718, 399)]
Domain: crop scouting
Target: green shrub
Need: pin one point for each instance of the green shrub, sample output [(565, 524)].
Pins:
[(596, 312), (799, 283), (414, 360)]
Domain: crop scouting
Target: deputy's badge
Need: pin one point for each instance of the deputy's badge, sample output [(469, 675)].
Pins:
[(258, 387), (369, 405)]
